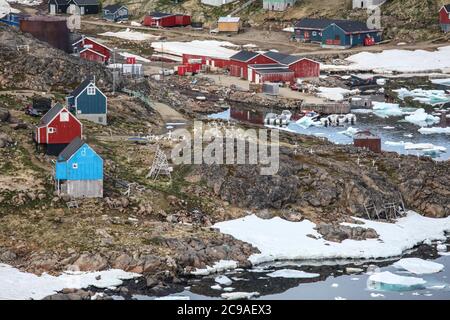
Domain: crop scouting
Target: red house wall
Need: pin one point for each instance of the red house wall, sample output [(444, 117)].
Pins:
[(65, 131), (99, 48), (277, 77), (443, 16), (305, 69), (169, 21), (182, 20), (259, 59), (91, 56)]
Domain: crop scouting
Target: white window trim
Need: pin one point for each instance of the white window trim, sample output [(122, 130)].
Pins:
[(51, 130), (74, 165), (90, 91)]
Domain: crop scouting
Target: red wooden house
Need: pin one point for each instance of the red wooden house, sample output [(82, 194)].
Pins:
[(57, 128), (92, 50), (444, 18), (239, 63), (164, 20), (302, 67)]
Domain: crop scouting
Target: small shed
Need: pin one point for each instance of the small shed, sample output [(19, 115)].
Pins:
[(216, 3), (115, 12), (79, 171), (91, 49), (88, 102), (367, 140), (164, 20), (444, 18), (57, 128), (274, 75), (229, 24), (278, 5)]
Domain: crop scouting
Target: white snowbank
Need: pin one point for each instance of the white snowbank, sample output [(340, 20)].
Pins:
[(279, 239), (288, 29), (219, 266), (289, 273), (135, 24), (26, 2), (445, 82), (419, 266), (421, 118), (239, 295), (18, 285), (130, 55), (384, 109), (390, 278), (434, 130), (398, 60), (130, 35), (431, 97), (224, 280), (335, 94), (211, 48)]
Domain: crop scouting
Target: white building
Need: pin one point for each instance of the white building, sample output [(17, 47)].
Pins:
[(278, 5), (364, 4), (216, 3)]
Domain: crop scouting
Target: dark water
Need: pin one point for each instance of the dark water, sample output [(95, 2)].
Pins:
[(335, 281), (390, 129)]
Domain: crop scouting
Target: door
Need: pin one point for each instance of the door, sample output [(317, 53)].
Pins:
[(250, 74), (257, 78), (82, 10), (52, 9)]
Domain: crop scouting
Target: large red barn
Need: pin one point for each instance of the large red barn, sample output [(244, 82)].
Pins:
[(93, 45), (57, 128), (302, 67), (239, 63)]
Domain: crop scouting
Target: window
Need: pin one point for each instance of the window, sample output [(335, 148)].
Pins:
[(74, 165), (91, 91), (314, 33), (64, 117), (51, 130)]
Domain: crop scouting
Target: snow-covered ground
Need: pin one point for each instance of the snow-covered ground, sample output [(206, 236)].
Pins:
[(130, 55), (219, 266), (18, 285), (418, 266), (130, 35), (397, 60), (213, 48), (335, 94), (279, 239), (26, 2)]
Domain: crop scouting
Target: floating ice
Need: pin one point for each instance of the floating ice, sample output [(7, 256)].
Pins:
[(335, 94), (376, 295), (216, 287), (290, 273), (239, 295), (434, 130), (306, 122), (228, 289), (349, 132), (431, 97), (224, 280), (222, 265), (421, 118), (418, 266), (384, 109), (389, 281), (224, 115)]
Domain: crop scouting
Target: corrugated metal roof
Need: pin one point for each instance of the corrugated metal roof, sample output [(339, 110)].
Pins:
[(113, 7), (81, 87), (71, 149), (282, 58), (244, 55), (51, 114), (87, 2), (229, 19), (267, 66), (320, 24), (277, 70)]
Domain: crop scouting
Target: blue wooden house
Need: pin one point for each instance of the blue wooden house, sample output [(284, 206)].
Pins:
[(88, 102), (348, 33), (79, 171), (13, 19), (310, 30), (115, 12)]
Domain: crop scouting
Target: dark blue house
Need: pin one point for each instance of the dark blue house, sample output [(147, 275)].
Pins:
[(88, 102), (115, 12), (13, 19), (335, 33), (79, 171)]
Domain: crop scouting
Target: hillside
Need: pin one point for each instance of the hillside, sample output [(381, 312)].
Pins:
[(401, 19)]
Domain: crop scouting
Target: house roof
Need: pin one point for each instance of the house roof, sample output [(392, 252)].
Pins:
[(71, 149), (244, 55), (276, 70), (267, 66), (87, 2), (93, 51), (81, 87), (282, 58), (320, 24), (113, 7), (45, 120), (446, 7), (229, 19), (157, 14), (93, 40), (61, 2)]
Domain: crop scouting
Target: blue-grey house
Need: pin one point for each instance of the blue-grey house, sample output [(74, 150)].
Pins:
[(115, 12), (79, 171), (88, 102), (335, 33)]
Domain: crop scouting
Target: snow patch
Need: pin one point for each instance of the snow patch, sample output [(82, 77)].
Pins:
[(128, 34), (211, 48), (418, 266), (219, 266), (239, 295), (289, 273), (223, 280), (130, 55)]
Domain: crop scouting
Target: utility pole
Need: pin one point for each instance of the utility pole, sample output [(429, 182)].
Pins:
[(162, 59), (114, 71)]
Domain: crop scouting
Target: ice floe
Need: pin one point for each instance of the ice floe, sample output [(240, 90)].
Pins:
[(389, 281), (431, 97), (425, 147), (239, 295), (223, 280), (219, 266), (384, 109), (419, 266), (434, 130), (421, 118), (279, 239), (18, 285), (350, 132), (291, 273)]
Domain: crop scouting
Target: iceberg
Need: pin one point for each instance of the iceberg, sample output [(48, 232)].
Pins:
[(349, 132), (388, 281), (418, 266), (239, 295), (434, 130), (223, 280), (421, 118), (384, 109), (335, 94), (306, 122), (290, 273), (431, 97)]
